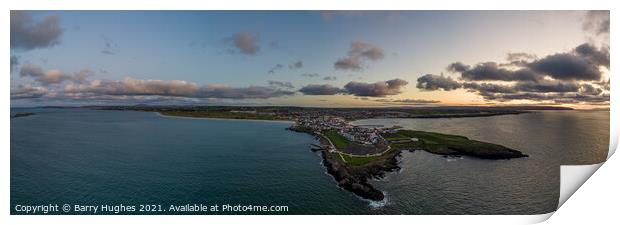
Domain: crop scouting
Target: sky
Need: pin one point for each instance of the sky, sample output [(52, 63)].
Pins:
[(310, 58)]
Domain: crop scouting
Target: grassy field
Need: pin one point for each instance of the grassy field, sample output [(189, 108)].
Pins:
[(338, 140), (453, 144), (443, 144), (358, 160)]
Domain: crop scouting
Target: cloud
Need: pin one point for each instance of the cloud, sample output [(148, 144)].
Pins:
[(596, 22), (566, 66), (27, 34), (366, 50), (492, 71), (131, 86), (547, 86), (520, 56), (458, 67), (567, 77), (318, 89), (329, 78), (275, 68), (378, 89), (27, 91), (549, 91), (51, 76), (80, 76), (79, 88), (489, 87), (350, 63), (571, 98), (588, 89), (598, 56), (14, 62), (437, 82), (251, 92), (245, 42), (109, 47), (177, 88), (359, 53), (523, 86), (582, 63), (280, 84), (310, 75), (296, 65)]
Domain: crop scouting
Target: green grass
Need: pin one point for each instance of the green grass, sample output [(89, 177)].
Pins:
[(394, 136), (338, 140), (358, 160), (447, 144)]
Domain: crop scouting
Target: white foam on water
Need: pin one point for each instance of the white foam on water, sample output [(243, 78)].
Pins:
[(379, 204)]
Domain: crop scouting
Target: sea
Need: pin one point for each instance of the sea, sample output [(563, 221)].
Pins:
[(79, 156)]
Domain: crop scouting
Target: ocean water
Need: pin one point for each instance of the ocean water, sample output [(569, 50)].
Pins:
[(93, 157)]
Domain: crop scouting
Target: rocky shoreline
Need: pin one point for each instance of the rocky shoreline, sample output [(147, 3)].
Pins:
[(355, 178)]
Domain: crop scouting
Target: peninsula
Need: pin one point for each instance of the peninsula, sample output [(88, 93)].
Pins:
[(22, 114), (354, 154)]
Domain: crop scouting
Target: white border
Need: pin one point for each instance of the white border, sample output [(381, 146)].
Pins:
[(604, 179)]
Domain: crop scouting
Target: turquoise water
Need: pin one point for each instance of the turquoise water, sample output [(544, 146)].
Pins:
[(81, 156)]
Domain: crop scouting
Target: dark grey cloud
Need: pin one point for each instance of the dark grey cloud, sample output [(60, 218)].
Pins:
[(293, 66), (329, 78), (350, 63), (310, 75), (596, 22), (572, 98), (280, 84), (27, 34), (245, 42), (599, 56), (566, 66), (359, 53), (547, 86), (275, 68), (519, 59), (320, 89), (14, 62), (569, 77), (458, 67), (492, 71), (437, 82), (377, 89), (296, 65), (489, 87), (582, 63)]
